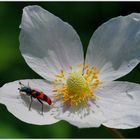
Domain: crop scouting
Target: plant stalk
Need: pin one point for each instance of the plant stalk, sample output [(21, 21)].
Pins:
[(116, 133)]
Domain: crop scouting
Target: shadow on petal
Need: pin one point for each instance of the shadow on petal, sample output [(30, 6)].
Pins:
[(36, 105)]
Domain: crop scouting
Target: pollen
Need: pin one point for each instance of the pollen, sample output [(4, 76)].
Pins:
[(78, 87)]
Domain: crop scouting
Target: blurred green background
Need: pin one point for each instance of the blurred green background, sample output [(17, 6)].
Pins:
[(85, 17)]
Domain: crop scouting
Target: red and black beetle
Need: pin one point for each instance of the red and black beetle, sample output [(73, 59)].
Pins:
[(39, 95)]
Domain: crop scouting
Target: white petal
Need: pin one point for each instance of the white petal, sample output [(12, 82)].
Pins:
[(18, 104), (81, 118), (47, 43), (120, 104), (114, 48)]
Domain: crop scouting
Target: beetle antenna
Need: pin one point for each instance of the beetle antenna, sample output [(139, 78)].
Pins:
[(28, 84), (21, 84)]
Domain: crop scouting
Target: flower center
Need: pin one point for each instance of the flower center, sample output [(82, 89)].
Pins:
[(76, 83), (77, 88)]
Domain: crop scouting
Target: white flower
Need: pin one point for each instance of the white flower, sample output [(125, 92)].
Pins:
[(83, 93)]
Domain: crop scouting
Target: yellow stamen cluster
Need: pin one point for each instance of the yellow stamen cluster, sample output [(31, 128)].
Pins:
[(77, 88)]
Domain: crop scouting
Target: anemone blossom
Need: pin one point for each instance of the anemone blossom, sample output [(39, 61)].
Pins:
[(83, 91)]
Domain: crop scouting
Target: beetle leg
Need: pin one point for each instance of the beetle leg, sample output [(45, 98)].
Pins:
[(42, 105), (30, 103)]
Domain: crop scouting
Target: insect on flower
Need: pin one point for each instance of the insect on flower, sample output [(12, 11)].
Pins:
[(39, 95)]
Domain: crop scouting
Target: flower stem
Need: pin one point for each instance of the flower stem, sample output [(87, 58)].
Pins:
[(116, 133)]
